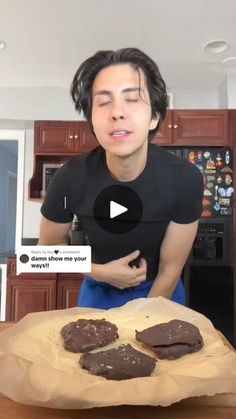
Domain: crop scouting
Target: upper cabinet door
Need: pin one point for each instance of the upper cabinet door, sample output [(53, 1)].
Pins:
[(164, 134), (54, 137), (85, 141), (201, 127), (63, 137)]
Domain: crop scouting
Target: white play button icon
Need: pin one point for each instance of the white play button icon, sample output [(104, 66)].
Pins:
[(116, 209)]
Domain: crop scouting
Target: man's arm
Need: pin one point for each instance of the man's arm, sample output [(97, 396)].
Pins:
[(117, 272), (174, 252), (52, 233)]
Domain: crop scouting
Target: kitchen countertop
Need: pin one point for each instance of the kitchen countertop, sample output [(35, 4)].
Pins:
[(195, 408)]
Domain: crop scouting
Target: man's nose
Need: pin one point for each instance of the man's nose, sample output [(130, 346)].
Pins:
[(117, 117), (117, 111)]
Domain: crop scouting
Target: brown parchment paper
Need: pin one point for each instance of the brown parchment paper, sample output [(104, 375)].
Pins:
[(35, 368)]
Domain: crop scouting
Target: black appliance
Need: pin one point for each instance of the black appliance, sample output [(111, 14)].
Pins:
[(210, 292), (216, 166), (208, 274), (213, 243)]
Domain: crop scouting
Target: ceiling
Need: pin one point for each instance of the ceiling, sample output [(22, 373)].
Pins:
[(48, 39)]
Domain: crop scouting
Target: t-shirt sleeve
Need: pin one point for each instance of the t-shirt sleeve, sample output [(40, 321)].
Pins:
[(56, 204), (188, 185)]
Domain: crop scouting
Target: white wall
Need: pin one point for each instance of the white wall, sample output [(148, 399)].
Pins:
[(195, 99), (231, 90), (34, 103), (223, 94)]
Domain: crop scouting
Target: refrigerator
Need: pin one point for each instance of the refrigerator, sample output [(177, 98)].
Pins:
[(216, 166), (208, 274)]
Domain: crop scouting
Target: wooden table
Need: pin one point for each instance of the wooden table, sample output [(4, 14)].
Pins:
[(196, 408)]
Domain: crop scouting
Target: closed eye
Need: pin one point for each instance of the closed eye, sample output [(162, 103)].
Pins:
[(131, 100), (104, 103)]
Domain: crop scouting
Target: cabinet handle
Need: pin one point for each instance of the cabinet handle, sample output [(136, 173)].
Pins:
[(71, 137), (76, 137), (169, 126), (175, 126)]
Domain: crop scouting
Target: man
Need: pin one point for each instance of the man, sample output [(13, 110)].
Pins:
[(123, 97)]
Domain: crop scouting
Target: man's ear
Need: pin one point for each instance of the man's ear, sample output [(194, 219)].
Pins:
[(154, 122)]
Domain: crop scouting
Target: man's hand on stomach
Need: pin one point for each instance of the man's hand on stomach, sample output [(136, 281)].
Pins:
[(119, 273)]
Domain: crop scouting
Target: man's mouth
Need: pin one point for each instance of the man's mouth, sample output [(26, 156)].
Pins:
[(120, 133)]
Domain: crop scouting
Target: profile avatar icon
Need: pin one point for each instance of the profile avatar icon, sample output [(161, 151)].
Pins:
[(24, 258)]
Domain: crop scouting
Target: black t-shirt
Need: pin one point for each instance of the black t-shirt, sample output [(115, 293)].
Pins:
[(170, 188)]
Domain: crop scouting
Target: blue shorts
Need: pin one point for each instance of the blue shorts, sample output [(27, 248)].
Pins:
[(96, 294)]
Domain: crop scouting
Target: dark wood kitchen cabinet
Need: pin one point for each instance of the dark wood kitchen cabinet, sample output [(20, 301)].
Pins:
[(194, 128), (180, 127), (68, 286), (63, 137), (164, 134), (28, 293), (54, 143)]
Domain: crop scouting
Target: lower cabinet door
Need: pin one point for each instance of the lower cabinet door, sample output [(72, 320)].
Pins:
[(29, 295), (68, 286)]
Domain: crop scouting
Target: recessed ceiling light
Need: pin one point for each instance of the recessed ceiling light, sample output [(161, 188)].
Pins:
[(230, 61), (215, 46), (2, 44)]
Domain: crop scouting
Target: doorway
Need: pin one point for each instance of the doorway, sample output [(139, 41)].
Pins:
[(12, 144), (12, 149)]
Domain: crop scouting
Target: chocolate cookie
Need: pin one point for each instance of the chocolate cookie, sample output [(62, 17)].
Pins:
[(171, 340), (85, 335), (118, 364)]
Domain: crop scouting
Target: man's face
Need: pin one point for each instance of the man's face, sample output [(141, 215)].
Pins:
[(121, 110)]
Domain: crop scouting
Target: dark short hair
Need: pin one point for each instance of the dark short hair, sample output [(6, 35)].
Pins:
[(82, 84)]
